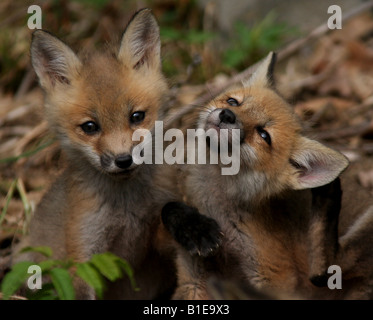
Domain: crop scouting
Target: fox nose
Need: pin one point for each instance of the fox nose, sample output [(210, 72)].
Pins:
[(227, 116), (123, 161)]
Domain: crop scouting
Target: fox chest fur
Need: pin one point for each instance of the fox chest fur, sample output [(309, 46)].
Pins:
[(98, 215), (121, 214)]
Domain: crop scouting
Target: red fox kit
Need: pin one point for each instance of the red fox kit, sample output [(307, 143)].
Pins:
[(275, 238), (103, 201)]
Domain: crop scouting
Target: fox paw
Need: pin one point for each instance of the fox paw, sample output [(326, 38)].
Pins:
[(198, 234)]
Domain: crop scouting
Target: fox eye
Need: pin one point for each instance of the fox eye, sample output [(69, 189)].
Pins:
[(137, 117), (264, 135), (90, 127), (233, 102)]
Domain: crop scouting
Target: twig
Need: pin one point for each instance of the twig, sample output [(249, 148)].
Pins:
[(26, 204), (26, 83), (367, 148), (13, 297), (35, 132), (308, 81), (14, 131), (20, 14), (321, 30), (356, 130), (317, 116), (8, 197), (282, 54), (16, 114), (363, 107)]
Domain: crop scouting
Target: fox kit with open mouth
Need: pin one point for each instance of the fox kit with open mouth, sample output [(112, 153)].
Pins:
[(280, 213), (103, 201)]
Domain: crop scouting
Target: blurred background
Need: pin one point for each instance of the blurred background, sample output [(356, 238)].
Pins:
[(200, 38), (326, 74)]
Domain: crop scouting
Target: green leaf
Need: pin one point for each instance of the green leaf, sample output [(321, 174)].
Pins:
[(61, 280), (171, 34), (45, 251), (128, 270), (196, 36), (14, 279), (98, 4), (234, 58), (107, 264), (47, 292), (90, 275), (47, 265)]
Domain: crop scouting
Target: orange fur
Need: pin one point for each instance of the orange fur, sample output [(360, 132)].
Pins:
[(100, 204), (263, 211)]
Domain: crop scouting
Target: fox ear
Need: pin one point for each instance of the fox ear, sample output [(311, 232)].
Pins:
[(263, 76), (140, 44), (315, 165), (53, 61)]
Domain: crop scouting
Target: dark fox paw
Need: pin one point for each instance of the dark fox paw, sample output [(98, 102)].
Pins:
[(193, 231)]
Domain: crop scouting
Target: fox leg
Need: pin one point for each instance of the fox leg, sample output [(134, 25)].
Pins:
[(191, 278), (82, 290), (85, 237), (198, 237)]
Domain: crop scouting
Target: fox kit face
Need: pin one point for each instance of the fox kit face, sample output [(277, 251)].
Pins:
[(271, 144), (94, 104)]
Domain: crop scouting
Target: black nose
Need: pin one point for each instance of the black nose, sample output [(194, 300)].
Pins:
[(227, 116), (123, 161)]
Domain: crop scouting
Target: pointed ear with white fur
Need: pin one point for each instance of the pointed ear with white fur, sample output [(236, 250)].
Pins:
[(315, 164), (263, 75), (53, 61), (140, 44)]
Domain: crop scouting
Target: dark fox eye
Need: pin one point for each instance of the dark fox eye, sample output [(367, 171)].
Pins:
[(90, 127), (264, 135), (233, 102), (137, 117)]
